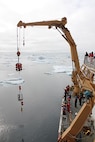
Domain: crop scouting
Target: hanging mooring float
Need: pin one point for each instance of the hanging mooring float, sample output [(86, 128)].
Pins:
[(18, 66)]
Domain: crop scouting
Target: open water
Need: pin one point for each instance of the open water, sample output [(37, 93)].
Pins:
[(42, 82)]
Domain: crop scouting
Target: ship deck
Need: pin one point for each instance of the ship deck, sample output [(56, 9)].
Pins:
[(69, 109)]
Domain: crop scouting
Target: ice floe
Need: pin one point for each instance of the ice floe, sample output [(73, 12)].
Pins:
[(60, 69), (12, 81)]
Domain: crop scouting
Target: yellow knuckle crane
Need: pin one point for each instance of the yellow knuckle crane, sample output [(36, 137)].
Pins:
[(81, 77)]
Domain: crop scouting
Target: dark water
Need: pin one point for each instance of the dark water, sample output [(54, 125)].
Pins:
[(42, 94)]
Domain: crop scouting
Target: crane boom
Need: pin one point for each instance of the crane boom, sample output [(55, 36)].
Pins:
[(55, 23), (66, 34)]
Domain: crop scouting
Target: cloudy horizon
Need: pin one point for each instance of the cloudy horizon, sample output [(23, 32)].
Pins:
[(80, 16)]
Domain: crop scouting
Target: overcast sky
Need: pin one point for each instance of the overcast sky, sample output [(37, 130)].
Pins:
[(80, 15)]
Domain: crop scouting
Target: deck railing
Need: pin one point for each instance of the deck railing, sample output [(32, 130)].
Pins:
[(89, 61)]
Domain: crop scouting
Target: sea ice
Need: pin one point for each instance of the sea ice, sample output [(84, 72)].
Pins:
[(12, 81)]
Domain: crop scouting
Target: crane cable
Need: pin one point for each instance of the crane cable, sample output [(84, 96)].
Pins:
[(19, 68), (18, 64), (23, 36)]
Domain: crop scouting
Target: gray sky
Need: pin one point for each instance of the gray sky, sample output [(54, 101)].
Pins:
[(80, 15)]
